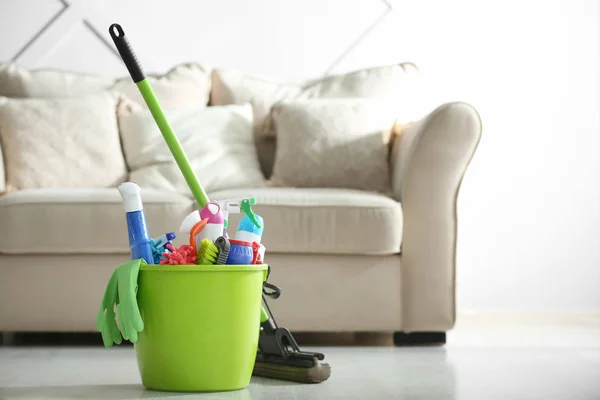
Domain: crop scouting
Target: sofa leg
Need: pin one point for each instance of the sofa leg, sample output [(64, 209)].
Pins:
[(419, 338), (7, 339)]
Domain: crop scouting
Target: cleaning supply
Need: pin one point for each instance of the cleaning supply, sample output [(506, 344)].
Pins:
[(195, 236), (159, 245), (201, 327), (106, 322), (224, 246), (157, 251), (279, 356), (207, 253), (121, 292), (188, 346), (128, 313), (139, 238), (248, 231), (315, 373), (183, 345), (212, 211), (227, 207), (162, 241), (235, 206), (256, 256), (261, 254), (189, 221), (184, 255), (192, 225), (240, 252), (139, 78)]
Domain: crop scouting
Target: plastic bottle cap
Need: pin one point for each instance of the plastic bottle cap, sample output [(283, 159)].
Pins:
[(213, 212), (130, 193)]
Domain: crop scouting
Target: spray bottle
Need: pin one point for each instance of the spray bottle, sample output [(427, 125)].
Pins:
[(250, 228), (235, 206), (139, 238)]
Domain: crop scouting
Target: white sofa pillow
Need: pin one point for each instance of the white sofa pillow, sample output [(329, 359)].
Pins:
[(335, 143), (184, 85), (61, 143), (19, 81), (218, 142), (396, 83)]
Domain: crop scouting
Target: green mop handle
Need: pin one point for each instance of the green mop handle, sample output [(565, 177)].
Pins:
[(138, 76)]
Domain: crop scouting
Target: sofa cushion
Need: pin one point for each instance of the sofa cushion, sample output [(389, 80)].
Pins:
[(81, 220), (19, 81), (315, 221), (184, 85), (333, 143), (217, 141), (66, 142), (326, 221), (397, 83), (394, 82)]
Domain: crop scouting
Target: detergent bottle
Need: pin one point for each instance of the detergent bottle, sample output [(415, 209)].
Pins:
[(250, 229), (139, 237)]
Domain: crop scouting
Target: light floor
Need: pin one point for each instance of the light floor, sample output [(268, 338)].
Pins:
[(487, 357)]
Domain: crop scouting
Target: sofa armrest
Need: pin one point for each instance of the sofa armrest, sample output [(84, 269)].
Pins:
[(428, 164)]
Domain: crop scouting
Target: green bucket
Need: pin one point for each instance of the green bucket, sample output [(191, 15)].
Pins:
[(201, 326)]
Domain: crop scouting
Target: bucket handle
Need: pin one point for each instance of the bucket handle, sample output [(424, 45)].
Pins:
[(274, 293)]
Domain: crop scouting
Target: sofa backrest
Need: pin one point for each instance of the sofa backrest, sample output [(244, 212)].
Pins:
[(197, 83), (393, 82), (184, 85)]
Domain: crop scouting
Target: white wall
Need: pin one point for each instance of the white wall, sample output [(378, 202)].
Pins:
[(530, 206), (529, 209)]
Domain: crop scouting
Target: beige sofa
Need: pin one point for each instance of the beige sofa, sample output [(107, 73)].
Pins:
[(346, 260)]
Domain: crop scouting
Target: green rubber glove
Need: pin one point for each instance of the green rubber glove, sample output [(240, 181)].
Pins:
[(128, 313), (105, 320)]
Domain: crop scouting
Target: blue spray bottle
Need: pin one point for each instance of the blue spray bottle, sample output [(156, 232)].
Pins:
[(250, 228), (139, 238)]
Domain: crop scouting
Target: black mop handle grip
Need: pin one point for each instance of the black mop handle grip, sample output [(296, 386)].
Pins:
[(127, 53)]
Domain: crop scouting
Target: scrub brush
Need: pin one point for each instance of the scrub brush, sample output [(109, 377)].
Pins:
[(207, 253), (192, 225), (223, 245)]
